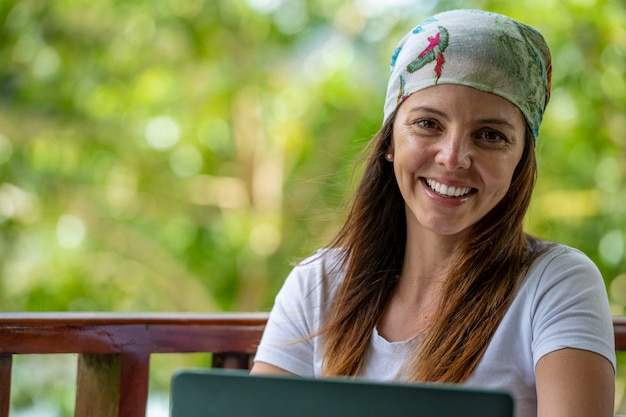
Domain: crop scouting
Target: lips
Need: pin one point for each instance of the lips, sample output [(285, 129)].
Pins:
[(447, 191)]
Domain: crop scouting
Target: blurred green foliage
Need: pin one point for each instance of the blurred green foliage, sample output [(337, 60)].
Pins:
[(178, 155)]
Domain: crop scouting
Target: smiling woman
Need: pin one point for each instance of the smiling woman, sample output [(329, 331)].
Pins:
[(441, 147), (432, 276)]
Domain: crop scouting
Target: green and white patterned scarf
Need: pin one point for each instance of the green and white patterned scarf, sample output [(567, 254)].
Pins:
[(484, 50)]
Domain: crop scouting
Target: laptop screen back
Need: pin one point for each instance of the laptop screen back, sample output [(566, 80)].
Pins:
[(221, 393)]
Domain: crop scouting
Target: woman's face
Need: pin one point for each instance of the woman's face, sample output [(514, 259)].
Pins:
[(454, 151)]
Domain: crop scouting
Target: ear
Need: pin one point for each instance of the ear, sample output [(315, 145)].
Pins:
[(389, 153)]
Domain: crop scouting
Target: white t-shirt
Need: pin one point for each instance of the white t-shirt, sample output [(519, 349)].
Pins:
[(561, 303)]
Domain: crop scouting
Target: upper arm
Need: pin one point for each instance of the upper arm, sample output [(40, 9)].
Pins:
[(574, 383), (573, 341), (289, 341), (262, 368)]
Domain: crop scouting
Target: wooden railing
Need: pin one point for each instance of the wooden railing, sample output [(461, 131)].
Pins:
[(114, 350)]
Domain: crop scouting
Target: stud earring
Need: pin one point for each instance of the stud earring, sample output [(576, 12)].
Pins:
[(389, 157)]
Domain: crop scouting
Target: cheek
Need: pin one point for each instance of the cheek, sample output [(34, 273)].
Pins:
[(409, 147), (500, 177), (411, 159)]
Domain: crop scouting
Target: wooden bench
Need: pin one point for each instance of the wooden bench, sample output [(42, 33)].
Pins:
[(114, 350)]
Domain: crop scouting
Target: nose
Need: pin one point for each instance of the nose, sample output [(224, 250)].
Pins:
[(454, 151)]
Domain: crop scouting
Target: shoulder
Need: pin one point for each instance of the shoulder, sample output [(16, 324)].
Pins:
[(563, 275), (569, 304), (325, 264), (327, 261), (561, 254), (563, 263), (315, 276)]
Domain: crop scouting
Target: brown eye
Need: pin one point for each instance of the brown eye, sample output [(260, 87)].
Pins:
[(492, 136), (426, 124)]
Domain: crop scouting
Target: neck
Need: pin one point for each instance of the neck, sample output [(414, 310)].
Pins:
[(427, 258), (416, 297)]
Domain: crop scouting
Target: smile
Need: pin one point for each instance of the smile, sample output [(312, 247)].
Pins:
[(446, 191)]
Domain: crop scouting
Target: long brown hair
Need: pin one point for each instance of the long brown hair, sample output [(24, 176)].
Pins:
[(480, 287)]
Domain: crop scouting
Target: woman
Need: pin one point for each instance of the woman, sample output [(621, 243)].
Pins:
[(431, 277)]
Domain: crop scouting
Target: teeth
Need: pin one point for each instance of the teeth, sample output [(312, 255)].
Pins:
[(447, 191)]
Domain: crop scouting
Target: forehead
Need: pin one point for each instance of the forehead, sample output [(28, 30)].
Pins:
[(463, 101)]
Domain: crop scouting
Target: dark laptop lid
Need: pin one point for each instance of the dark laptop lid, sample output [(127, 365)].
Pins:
[(221, 393)]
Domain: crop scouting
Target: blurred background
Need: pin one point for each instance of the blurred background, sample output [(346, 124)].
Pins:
[(180, 155)]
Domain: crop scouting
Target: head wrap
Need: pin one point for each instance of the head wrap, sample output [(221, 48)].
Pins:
[(487, 51)]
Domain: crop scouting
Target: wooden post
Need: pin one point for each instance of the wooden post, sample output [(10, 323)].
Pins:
[(6, 362), (619, 329), (98, 386), (232, 360), (134, 383)]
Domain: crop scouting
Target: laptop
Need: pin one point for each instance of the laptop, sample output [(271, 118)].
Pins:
[(234, 393)]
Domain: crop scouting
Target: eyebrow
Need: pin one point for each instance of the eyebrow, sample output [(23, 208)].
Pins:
[(428, 110), (500, 122), (497, 122)]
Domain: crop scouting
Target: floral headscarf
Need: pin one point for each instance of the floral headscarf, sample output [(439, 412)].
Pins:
[(484, 50)]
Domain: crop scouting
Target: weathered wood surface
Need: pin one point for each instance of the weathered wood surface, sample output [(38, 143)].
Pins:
[(114, 350)]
